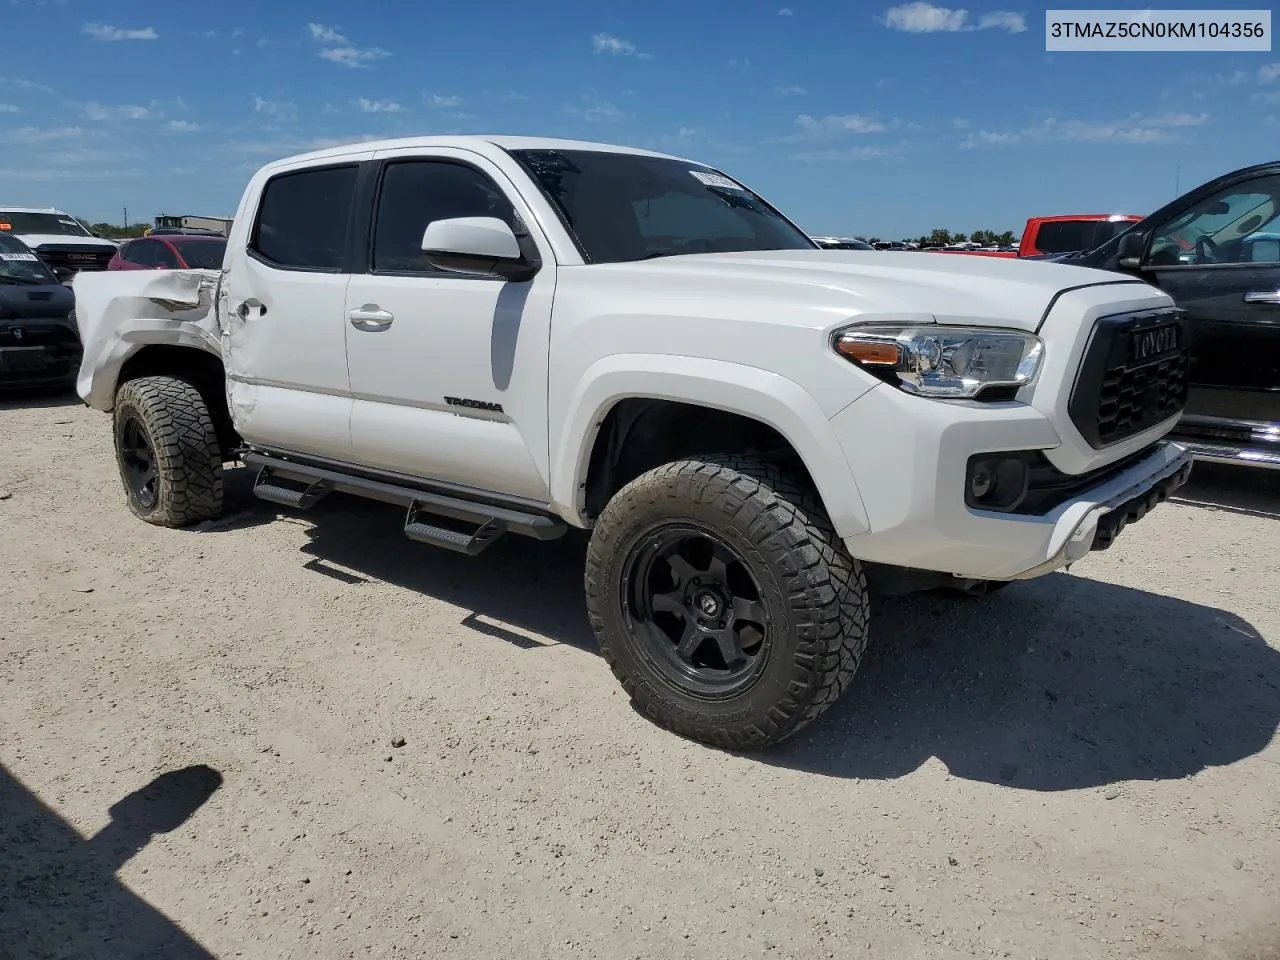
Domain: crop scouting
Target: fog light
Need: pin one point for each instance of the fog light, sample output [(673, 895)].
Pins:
[(996, 481)]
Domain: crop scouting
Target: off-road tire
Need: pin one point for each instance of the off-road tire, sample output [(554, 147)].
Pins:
[(174, 419), (814, 593)]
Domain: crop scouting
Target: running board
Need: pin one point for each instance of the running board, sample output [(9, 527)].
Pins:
[(424, 507), (287, 493)]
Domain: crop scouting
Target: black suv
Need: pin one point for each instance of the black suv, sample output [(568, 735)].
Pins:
[(39, 343), (1216, 251)]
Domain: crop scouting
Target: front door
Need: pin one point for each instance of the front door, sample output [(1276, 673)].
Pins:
[(1220, 262), (448, 372), (283, 309)]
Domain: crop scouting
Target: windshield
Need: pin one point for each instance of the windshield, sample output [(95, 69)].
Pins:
[(622, 207), (201, 254), (17, 262), (52, 223)]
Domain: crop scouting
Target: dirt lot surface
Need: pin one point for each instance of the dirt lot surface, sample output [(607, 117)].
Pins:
[(198, 729)]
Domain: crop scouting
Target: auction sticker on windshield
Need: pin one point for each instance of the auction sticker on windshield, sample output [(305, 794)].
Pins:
[(26, 257), (716, 180)]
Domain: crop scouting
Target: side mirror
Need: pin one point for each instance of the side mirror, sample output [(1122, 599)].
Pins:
[(1129, 252), (478, 245)]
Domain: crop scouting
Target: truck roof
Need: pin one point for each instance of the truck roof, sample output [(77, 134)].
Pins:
[(481, 143)]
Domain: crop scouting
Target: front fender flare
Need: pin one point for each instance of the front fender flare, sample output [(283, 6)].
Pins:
[(734, 388)]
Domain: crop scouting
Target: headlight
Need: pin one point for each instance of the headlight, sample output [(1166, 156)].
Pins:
[(936, 361)]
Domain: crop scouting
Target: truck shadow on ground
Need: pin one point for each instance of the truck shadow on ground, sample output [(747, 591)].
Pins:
[(1056, 684), (1249, 491), (60, 897), (33, 398)]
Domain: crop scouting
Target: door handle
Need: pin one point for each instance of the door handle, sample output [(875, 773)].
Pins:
[(370, 317), (1263, 296), (253, 303)]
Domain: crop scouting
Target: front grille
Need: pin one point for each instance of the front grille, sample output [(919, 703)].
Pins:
[(1134, 376), (29, 333), (71, 259)]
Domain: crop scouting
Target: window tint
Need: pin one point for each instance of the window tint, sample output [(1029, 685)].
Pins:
[(165, 258), (1231, 227), (202, 254), (302, 218), (417, 192), (142, 252), (1068, 236), (623, 207)]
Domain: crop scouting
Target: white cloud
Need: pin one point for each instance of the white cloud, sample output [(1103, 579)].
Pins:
[(597, 110), (183, 126), (8, 108), (378, 106), (851, 153), (336, 48), (281, 110), (848, 123), (122, 111), (354, 56), (791, 91), (616, 46), (786, 12), (44, 134), (1003, 20), (1268, 72), (57, 174), (103, 31), (24, 84), (1133, 129), (444, 102), (321, 33), (922, 17)]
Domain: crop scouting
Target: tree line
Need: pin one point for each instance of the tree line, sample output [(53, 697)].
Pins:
[(944, 237), (112, 232)]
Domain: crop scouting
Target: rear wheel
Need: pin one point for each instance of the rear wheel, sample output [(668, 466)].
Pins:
[(724, 601), (167, 451)]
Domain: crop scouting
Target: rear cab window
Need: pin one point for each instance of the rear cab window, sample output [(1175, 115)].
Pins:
[(303, 217)]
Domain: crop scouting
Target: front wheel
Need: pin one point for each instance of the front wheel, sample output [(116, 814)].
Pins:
[(724, 601), (167, 451)]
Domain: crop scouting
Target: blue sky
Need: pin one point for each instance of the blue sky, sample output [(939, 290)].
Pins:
[(853, 117)]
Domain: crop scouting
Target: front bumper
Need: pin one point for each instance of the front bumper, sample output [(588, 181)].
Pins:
[(908, 457), (41, 365)]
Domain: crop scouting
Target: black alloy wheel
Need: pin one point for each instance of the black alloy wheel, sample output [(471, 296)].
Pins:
[(138, 459), (696, 606)]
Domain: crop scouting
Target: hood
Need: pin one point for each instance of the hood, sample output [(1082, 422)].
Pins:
[(29, 301), (35, 240), (986, 291)]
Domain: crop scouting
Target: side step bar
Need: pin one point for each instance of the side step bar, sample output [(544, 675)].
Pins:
[(302, 485)]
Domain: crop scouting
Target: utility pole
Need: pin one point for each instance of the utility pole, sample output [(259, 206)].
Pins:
[(126, 219), (1177, 183)]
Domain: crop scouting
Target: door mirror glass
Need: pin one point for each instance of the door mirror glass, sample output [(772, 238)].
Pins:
[(1129, 253), (480, 245)]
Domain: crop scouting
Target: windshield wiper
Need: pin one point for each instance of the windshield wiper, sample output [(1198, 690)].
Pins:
[(20, 280), (661, 253)]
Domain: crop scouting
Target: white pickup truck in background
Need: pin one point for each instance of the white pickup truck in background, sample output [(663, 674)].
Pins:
[(508, 335)]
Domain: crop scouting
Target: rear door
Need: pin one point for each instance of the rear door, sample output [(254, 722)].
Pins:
[(284, 338), (1220, 262)]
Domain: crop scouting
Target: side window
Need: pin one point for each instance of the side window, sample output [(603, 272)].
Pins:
[(142, 252), (1233, 226), (302, 219), (165, 259), (417, 192)]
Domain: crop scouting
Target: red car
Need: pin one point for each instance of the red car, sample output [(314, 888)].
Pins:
[(170, 253)]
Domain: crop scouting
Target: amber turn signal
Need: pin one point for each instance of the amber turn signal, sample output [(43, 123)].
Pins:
[(880, 353)]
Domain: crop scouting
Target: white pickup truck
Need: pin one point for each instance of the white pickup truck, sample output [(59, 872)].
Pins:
[(516, 336)]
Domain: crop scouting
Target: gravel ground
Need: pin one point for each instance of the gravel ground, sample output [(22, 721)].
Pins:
[(309, 737)]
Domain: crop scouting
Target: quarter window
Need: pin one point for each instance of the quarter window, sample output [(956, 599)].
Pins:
[(302, 219), (415, 193)]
